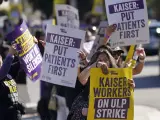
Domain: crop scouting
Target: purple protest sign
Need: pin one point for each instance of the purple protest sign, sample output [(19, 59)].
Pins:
[(28, 52)]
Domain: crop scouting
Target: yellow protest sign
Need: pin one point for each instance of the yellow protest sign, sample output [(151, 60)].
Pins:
[(111, 97), (130, 52), (129, 58)]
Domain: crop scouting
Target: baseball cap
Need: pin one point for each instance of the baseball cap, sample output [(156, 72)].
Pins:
[(118, 49)]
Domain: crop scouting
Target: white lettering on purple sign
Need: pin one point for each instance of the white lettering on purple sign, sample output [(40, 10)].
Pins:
[(125, 6), (32, 59), (61, 40)]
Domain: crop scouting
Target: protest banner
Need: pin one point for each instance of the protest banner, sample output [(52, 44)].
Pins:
[(99, 38), (111, 97), (46, 22), (131, 20), (67, 16), (28, 51), (60, 60), (87, 46)]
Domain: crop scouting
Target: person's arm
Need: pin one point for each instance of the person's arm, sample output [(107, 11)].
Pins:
[(139, 67), (15, 68), (109, 30), (84, 75), (78, 72), (6, 66), (7, 62), (83, 58)]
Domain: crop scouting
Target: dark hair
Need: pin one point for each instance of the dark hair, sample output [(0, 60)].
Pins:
[(106, 47), (111, 59), (38, 34)]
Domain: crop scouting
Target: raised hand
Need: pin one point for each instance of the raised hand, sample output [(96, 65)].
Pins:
[(131, 83), (35, 40), (12, 49), (110, 29), (43, 43), (82, 55), (141, 53), (103, 66)]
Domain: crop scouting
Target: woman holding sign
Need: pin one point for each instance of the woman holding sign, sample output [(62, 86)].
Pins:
[(9, 106), (101, 59)]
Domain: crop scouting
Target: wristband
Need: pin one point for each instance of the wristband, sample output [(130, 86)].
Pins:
[(141, 60), (107, 36)]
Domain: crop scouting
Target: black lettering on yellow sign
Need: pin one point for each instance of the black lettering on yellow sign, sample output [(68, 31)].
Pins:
[(24, 37), (113, 82), (112, 87), (27, 47), (11, 85), (25, 41), (112, 92), (12, 89)]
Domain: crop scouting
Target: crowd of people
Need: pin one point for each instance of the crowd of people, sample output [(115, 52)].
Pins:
[(77, 98), (59, 101)]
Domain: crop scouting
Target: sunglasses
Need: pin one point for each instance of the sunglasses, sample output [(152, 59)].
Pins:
[(117, 53)]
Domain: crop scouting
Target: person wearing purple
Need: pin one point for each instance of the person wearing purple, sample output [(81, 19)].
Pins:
[(9, 106)]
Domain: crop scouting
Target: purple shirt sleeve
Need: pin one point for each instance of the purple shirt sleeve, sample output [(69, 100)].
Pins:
[(6, 66)]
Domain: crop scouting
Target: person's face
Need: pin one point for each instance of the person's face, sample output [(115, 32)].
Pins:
[(103, 58), (117, 55), (42, 38)]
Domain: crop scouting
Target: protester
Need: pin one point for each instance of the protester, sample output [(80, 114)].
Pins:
[(44, 111), (10, 108), (101, 59), (71, 93), (40, 37), (117, 54), (3, 51), (104, 59)]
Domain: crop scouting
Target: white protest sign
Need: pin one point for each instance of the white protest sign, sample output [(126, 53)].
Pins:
[(99, 38), (87, 46), (131, 20), (47, 22), (67, 16), (60, 59)]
